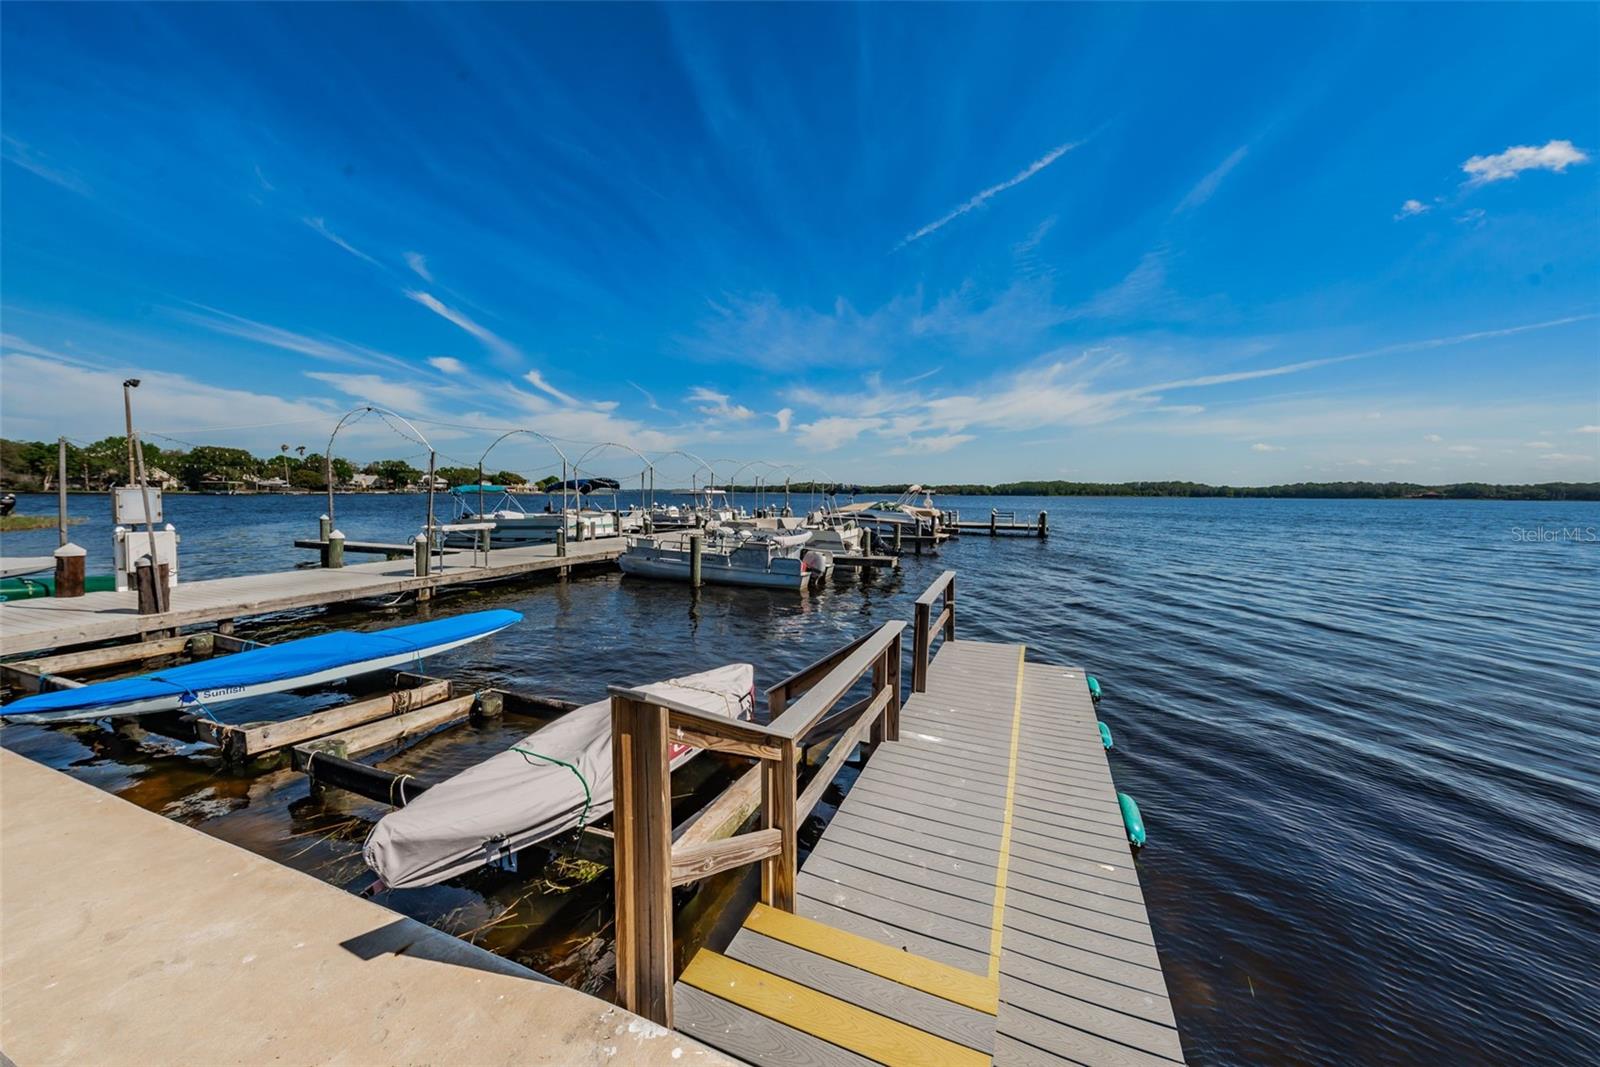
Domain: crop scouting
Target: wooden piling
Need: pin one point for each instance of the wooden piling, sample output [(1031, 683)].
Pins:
[(324, 527), (419, 556), (643, 870), (70, 561), (694, 561), (151, 584), (897, 527), (333, 549), (1044, 524), (561, 539), (994, 524)]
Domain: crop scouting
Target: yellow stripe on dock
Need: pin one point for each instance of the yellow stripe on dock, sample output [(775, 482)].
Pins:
[(997, 922), (820, 1015), (930, 976)]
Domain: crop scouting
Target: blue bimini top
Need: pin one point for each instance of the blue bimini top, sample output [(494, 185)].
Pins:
[(290, 660)]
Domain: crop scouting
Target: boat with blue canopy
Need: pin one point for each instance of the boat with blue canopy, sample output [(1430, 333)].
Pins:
[(292, 665)]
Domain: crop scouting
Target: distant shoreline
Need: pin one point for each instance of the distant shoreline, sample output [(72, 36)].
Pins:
[(1542, 491)]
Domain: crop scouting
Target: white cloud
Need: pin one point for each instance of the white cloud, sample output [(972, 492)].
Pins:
[(1468, 449), (1588, 429), (382, 390), (784, 416), (535, 379), (1565, 457), (1410, 208), (978, 200), (1473, 216), (1208, 185), (1262, 446), (14, 151), (492, 341), (1556, 156), (329, 349), (419, 264), (1433, 438), (447, 364), (322, 227), (717, 405), (932, 444), (835, 431), (1537, 444), (36, 381)]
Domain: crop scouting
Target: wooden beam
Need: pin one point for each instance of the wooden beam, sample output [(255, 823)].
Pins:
[(387, 731), (107, 657), (801, 716), (724, 815), (841, 752), (698, 736), (243, 741), (778, 812), (778, 696), (690, 863), (642, 823)]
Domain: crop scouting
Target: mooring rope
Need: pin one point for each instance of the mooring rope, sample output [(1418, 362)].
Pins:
[(588, 797)]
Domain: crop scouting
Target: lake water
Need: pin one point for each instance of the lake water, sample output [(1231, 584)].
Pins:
[(1363, 735)]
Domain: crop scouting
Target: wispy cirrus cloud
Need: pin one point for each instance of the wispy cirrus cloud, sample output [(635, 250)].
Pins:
[(985, 195), (36, 163), (1555, 156), (1206, 188), (447, 364), (419, 265), (320, 225), (1411, 208), (324, 348), (537, 380), (496, 344)]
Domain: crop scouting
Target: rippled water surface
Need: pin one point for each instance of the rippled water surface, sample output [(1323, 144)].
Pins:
[(1362, 733)]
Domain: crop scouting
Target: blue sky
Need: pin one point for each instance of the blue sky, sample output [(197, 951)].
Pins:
[(1240, 244)]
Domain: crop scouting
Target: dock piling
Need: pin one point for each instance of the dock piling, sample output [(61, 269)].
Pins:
[(324, 527), (70, 560), (561, 539), (694, 561), (1044, 524), (419, 555), (333, 549)]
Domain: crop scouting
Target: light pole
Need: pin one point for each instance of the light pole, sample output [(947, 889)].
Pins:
[(128, 386)]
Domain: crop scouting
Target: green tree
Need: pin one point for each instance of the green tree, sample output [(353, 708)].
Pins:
[(210, 464), (458, 475), (508, 478), (393, 473)]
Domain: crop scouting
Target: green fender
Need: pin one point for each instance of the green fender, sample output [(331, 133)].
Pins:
[(1131, 820), (1105, 734)]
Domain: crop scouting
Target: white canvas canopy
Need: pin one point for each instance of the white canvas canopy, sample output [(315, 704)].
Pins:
[(548, 783)]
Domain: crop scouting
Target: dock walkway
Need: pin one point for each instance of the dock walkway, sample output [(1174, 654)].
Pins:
[(973, 898), (56, 622), (126, 937)]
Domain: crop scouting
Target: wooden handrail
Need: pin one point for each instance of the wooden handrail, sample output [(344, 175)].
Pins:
[(778, 696), (926, 627), (799, 717), (647, 863)]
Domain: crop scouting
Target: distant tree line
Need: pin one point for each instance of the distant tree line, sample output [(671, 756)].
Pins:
[(32, 465), (1301, 490)]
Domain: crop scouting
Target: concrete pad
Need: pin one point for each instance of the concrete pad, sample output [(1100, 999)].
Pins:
[(126, 938)]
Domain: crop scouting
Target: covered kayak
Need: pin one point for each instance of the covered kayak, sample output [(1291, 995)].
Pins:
[(291, 665), (554, 780)]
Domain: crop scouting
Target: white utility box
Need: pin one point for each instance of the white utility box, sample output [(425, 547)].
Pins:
[(130, 546), (127, 506)]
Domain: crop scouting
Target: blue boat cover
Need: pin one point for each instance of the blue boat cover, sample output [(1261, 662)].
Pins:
[(292, 659)]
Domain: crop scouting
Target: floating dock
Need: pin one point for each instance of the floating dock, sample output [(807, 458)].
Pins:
[(181, 949), (57, 622)]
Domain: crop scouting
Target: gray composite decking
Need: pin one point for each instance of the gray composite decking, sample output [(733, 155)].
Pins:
[(913, 859)]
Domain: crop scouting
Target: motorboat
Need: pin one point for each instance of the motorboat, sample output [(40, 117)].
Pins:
[(557, 779), (515, 526), (731, 555), (706, 507), (912, 511)]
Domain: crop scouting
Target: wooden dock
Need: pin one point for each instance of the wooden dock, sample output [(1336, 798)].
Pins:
[(1001, 523), (59, 622), (974, 899)]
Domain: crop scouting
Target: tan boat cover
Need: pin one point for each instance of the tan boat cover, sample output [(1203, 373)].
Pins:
[(545, 785)]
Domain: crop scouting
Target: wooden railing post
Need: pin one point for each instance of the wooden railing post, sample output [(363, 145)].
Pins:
[(921, 638), (779, 800), (891, 716), (950, 607), (880, 680), (642, 862)]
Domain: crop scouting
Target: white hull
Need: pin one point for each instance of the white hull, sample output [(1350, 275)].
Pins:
[(539, 529), (716, 571)]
